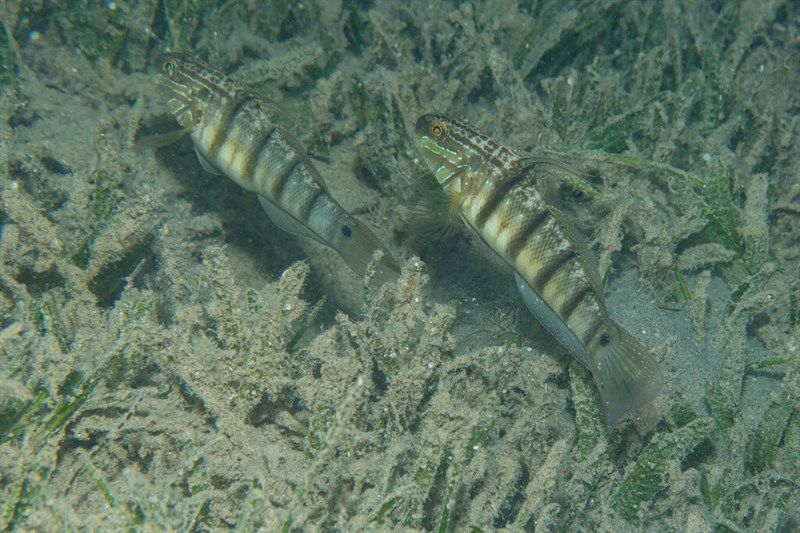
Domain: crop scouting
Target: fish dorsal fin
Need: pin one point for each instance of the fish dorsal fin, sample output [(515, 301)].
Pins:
[(548, 179), (541, 160), (312, 171), (287, 222), (546, 186), (583, 251), (553, 171)]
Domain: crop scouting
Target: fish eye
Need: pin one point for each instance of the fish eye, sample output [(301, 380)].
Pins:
[(438, 131), (169, 66)]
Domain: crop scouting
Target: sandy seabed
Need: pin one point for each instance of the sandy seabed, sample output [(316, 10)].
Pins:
[(172, 361)]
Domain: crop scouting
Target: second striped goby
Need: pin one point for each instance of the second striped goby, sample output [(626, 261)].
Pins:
[(234, 134), (494, 190)]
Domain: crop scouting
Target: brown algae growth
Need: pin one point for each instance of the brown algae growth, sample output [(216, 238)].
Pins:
[(170, 360)]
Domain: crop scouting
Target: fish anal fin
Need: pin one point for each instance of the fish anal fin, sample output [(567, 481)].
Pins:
[(551, 321), (207, 165), (287, 222)]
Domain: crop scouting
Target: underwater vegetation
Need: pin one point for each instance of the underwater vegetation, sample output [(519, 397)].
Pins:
[(169, 360)]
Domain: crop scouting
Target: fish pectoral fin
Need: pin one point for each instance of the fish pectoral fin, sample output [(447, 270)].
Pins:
[(207, 165), (433, 217), (153, 142), (626, 376), (287, 222)]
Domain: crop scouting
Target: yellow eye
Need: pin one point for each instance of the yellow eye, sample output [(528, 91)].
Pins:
[(438, 131), (169, 66)]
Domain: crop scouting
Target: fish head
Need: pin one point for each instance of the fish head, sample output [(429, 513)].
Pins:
[(188, 85), (454, 150)]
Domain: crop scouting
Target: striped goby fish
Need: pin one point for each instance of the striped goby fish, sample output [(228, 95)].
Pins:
[(493, 189), (233, 134)]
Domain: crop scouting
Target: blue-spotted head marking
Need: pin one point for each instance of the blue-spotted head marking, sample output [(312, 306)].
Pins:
[(451, 160)]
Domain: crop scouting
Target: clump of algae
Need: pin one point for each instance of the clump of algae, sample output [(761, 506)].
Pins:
[(160, 372)]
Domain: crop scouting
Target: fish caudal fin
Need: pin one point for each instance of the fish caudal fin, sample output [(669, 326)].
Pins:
[(626, 376), (355, 245), (357, 250)]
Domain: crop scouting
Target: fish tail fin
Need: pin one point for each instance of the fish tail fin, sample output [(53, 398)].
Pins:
[(353, 241), (358, 249), (626, 375)]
